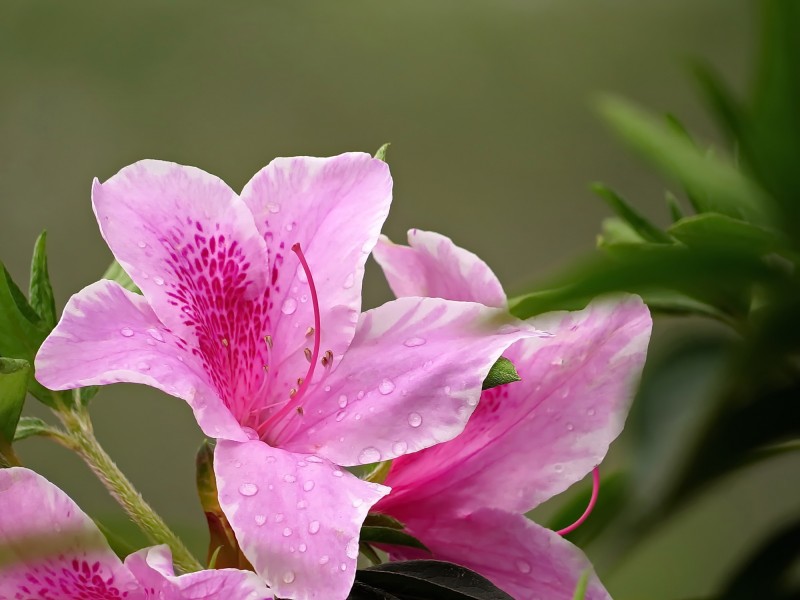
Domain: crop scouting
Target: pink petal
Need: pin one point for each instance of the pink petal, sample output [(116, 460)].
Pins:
[(410, 379), (433, 266), (334, 208), (45, 537), (297, 517), (108, 335), (530, 440), (527, 561), (192, 246), (152, 567)]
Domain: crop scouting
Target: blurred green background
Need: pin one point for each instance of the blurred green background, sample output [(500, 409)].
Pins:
[(487, 107)]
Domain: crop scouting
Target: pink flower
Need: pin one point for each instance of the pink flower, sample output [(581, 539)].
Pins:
[(527, 441), (51, 550), (251, 313)]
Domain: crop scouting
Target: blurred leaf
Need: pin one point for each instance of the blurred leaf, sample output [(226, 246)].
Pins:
[(30, 426), (115, 272), (723, 106), (580, 589), (369, 553), (390, 535), (718, 231), (381, 153), (766, 574), (41, 292), (502, 372), (626, 212), (380, 472), (675, 211), (120, 544), (617, 231), (14, 375), (716, 185), (613, 493), (675, 303), (427, 580)]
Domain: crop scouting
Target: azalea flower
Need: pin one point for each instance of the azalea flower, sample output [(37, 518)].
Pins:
[(251, 313), (51, 550), (527, 441)]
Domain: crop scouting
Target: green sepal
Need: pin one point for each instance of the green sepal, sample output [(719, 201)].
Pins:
[(718, 231), (381, 520), (115, 272), (40, 291), (381, 153), (31, 426), (390, 535), (503, 371), (14, 375), (380, 472), (626, 212)]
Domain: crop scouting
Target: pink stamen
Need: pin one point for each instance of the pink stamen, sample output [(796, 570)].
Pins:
[(315, 301), (589, 508)]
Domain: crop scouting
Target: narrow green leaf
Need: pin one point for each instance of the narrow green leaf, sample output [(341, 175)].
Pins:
[(380, 472), (718, 231), (115, 272), (369, 553), (503, 371), (580, 589), (625, 211), (380, 520), (30, 426), (41, 295), (390, 535), (674, 206), (14, 376), (381, 153), (716, 184), (723, 106), (617, 231)]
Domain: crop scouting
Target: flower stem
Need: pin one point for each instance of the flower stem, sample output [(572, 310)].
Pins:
[(84, 443)]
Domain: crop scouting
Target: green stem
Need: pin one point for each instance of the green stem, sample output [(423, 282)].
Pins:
[(82, 440)]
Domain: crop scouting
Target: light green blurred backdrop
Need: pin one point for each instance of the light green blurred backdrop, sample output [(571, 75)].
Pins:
[(486, 105)]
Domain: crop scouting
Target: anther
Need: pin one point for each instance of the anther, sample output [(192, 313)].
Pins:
[(300, 410), (266, 368), (309, 332), (307, 352), (225, 342), (292, 393), (268, 341), (327, 358)]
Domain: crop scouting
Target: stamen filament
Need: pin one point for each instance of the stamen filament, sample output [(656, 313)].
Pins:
[(589, 508), (315, 301)]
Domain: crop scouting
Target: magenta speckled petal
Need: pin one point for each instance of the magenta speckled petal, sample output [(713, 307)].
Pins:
[(410, 379), (522, 558), (108, 335), (433, 266), (571, 404), (297, 517)]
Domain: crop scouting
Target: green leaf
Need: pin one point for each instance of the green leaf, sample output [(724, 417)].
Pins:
[(390, 535), (115, 272), (41, 295), (716, 185), (640, 225), (381, 153), (580, 589), (427, 580), (502, 372), (674, 206), (617, 231), (720, 232), (381, 520), (369, 553), (30, 426), (14, 375)]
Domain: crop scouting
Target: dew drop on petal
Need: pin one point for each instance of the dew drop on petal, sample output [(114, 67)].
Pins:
[(340, 415), (414, 342), (288, 577), (302, 504), (271, 459), (314, 459), (273, 208), (308, 485), (415, 419), (141, 244), (278, 517), (260, 520), (558, 467), (357, 502), (352, 548), (338, 473), (323, 560), (289, 478), (386, 387), (158, 280), (368, 455), (289, 306), (126, 332), (155, 334), (342, 401), (570, 427), (287, 531), (343, 567), (143, 366), (399, 448), (313, 527), (302, 547), (349, 281), (522, 566), (248, 489), (590, 412)]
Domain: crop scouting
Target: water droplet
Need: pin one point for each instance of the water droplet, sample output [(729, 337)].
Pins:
[(288, 577), (289, 226), (289, 306), (141, 244), (558, 467), (358, 416), (278, 517), (302, 547), (273, 208), (338, 473), (323, 560), (360, 394), (143, 366), (357, 502), (447, 390), (289, 478), (414, 342), (352, 548), (399, 448), (270, 459), (557, 362), (156, 334), (565, 393), (260, 520), (343, 567), (313, 527), (302, 504), (415, 419), (386, 387), (590, 412), (522, 566), (287, 531), (238, 464), (158, 280), (126, 331), (368, 455), (250, 433), (570, 426), (342, 401), (314, 459), (248, 489), (308, 485), (303, 298), (340, 415), (349, 281)]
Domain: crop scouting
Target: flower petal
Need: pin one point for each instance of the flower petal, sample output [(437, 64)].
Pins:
[(190, 243), (108, 334), (410, 379), (522, 558), (297, 517), (153, 569), (334, 208), (571, 404), (433, 266), (45, 537)]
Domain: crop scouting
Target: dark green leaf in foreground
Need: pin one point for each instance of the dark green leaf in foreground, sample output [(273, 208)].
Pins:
[(14, 376), (41, 295), (503, 371), (424, 580), (115, 272), (390, 535)]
